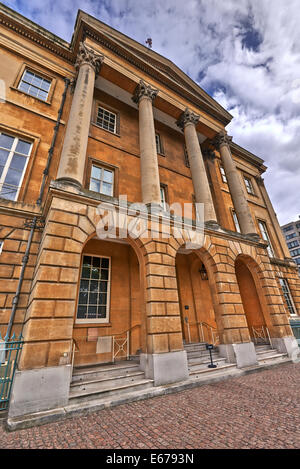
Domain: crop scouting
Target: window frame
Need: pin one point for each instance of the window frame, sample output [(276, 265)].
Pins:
[(223, 174), (290, 297), (249, 185), (108, 303), (235, 221), (159, 147), (16, 138), (100, 104), (91, 161), (26, 66), (269, 239), (164, 187)]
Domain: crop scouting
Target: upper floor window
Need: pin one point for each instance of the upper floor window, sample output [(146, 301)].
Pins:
[(297, 225), (1, 246), (223, 174), (107, 120), (265, 235), (158, 143), (288, 228), (94, 289), (249, 186), (290, 236), (296, 252), (287, 295), (14, 156), (293, 244), (297, 260), (163, 197), (102, 180), (35, 85), (236, 221)]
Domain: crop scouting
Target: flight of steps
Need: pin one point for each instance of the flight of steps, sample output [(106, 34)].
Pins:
[(268, 355), (107, 381), (199, 359)]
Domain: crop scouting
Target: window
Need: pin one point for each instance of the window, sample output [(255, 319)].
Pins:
[(159, 147), (290, 236), (265, 235), (186, 157), (163, 197), (94, 289), (236, 221), (293, 244), (296, 252), (1, 246), (102, 180), (14, 156), (107, 120), (249, 186), (35, 85), (287, 295), (297, 225), (297, 260), (223, 175), (288, 228)]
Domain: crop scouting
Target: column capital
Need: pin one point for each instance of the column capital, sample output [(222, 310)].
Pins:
[(259, 180), (86, 55), (144, 90), (187, 117), (222, 138)]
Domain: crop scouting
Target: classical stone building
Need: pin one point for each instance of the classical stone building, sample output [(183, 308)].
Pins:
[(89, 122)]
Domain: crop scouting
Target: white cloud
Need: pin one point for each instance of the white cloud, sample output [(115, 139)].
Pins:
[(259, 85)]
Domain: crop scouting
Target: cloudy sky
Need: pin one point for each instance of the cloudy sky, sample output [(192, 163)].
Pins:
[(244, 53)]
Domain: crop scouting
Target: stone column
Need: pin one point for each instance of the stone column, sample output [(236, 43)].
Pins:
[(144, 96), (240, 203), (187, 122), (73, 155)]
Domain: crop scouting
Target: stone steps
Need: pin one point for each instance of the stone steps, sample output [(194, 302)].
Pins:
[(107, 381), (266, 355), (199, 358)]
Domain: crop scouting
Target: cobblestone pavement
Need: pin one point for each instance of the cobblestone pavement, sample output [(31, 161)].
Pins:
[(259, 410)]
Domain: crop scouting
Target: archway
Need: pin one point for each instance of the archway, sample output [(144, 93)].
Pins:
[(248, 282), (195, 298), (108, 319)]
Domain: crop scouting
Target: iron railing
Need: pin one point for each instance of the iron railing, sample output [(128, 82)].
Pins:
[(260, 335), (9, 355), (206, 332)]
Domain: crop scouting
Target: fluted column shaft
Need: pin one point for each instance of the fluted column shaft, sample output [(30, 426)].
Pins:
[(73, 155), (144, 97), (240, 203), (188, 122)]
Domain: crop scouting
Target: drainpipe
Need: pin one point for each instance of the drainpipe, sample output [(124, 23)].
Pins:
[(34, 222)]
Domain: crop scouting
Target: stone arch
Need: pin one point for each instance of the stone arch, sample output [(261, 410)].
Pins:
[(255, 297)]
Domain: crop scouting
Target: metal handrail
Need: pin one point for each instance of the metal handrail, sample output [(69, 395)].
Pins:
[(211, 330), (115, 342), (261, 332)]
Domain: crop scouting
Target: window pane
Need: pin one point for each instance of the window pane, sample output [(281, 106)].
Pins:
[(94, 185), (96, 172), (106, 188), (6, 141), (33, 91), (18, 162), (107, 176), (42, 95), (3, 156), (24, 87), (13, 177), (45, 85), (28, 76), (36, 81), (8, 192), (81, 313), (23, 147), (105, 263)]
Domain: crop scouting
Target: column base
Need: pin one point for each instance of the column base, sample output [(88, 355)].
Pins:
[(39, 390), (165, 368), (242, 354), (69, 182), (287, 345)]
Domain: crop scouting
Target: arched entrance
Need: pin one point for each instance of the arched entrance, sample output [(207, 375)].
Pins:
[(108, 320), (195, 299), (248, 282)]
